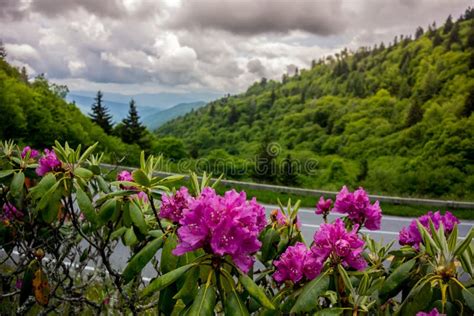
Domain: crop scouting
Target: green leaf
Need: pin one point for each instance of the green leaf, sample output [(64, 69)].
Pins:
[(396, 280), (87, 152), (141, 178), (27, 285), (418, 298), (453, 238), (47, 196), (468, 298), (189, 288), (234, 305), (117, 233), (465, 243), (5, 173), (51, 210), (205, 301), (334, 311), (86, 206), (140, 259), (166, 279), (270, 241), (129, 238), (168, 260), (107, 210), (345, 278), (83, 173), (255, 291), (308, 299), (18, 181), (171, 179), (137, 218)]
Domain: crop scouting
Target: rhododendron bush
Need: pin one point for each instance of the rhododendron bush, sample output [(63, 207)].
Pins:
[(66, 225)]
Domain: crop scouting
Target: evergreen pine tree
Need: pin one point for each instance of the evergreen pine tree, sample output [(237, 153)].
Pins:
[(454, 36), (415, 114), (469, 104), (212, 110), (437, 39), (419, 32), (100, 114), (233, 115), (3, 52), (24, 74), (133, 130), (448, 25)]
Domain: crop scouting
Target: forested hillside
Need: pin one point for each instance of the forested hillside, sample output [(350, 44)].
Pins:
[(395, 118), (35, 113)]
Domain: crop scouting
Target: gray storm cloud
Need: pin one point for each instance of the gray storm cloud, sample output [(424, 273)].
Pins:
[(219, 45), (251, 17)]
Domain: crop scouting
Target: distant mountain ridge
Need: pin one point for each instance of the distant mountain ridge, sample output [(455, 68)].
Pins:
[(152, 117), (155, 120)]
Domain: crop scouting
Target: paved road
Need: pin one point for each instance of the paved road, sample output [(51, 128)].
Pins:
[(390, 227)]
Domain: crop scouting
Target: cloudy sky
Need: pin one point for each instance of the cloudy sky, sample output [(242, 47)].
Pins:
[(150, 46)]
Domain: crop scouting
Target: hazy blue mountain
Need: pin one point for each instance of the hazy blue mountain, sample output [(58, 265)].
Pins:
[(155, 100), (157, 119), (119, 110)]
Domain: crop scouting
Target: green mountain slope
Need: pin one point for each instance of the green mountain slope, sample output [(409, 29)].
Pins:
[(394, 119), (158, 118), (36, 114)]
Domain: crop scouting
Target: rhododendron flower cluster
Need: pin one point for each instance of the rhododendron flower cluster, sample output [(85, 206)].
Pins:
[(124, 176), (47, 163), (358, 208), (222, 225), (10, 212), (434, 312), (33, 152), (295, 263), (323, 206), (333, 240), (411, 235), (172, 206)]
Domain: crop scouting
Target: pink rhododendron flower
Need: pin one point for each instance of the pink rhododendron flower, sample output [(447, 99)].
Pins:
[(124, 175), (47, 163), (358, 208), (172, 206), (222, 225), (411, 235), (33, 152), (343, 246), (295, 263), (323, 206), (433, 312), (10, 212)]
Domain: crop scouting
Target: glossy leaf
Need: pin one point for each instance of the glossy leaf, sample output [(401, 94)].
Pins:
[(234, 305), (396, 280), (107, 210), (86, 206), (255, 291), (41, 287), (140, 259), (204, 302), (141, 178), (17, 183), (168, 260), (137, 218), (166, 279), (308, 299)]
